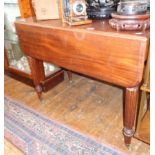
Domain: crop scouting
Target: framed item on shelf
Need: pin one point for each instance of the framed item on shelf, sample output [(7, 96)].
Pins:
[(46, 9), (73, 12)]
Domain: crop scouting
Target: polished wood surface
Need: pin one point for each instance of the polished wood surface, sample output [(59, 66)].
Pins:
[(52, 80), (131, 100), (18, 72), (95, 50), (20, 78), (108, 53), (89, 106), (37, 72)]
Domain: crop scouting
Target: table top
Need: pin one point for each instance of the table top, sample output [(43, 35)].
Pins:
[(101, 27)]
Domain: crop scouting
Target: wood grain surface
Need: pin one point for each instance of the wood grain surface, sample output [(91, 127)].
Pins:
[(105, 55), (98, 52)]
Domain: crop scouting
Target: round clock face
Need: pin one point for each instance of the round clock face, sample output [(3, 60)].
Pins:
[(79, 8)]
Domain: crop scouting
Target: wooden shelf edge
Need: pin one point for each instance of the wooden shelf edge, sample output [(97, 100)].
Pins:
[(20, 78), (52, 80), (136, 135), (145, 88), (19, 72), (143, 133)]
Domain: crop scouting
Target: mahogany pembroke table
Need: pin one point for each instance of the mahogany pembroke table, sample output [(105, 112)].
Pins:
[(95, 50)]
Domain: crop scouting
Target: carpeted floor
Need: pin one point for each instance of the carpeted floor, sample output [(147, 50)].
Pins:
[(35, 134)]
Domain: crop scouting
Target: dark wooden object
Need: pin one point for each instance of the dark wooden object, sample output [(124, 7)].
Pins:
[(69, 73), (95, 50), (37, 72), (131, 22), (37, 78), (131, 98)]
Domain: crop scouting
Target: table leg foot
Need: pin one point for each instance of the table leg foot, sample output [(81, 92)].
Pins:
[(69, 73), (38, 89), (128, 134), (131, 101), (128, 146)]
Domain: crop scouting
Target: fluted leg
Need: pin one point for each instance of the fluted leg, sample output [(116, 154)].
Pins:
[(131, 101)]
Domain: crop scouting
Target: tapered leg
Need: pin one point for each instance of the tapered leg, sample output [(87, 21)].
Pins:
[(131, 101), (37, 73), (69, 73)]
